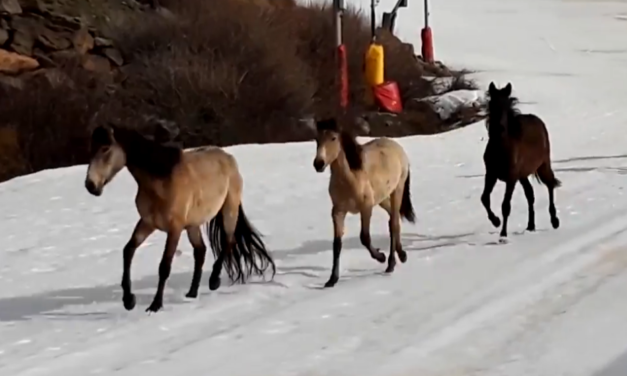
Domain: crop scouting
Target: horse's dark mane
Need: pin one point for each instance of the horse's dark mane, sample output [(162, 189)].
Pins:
[(496, 108), (352, 149), (156, 159)]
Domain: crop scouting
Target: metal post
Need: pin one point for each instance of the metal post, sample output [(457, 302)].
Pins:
[(373, 18), (426, 13), (338, 27), (427, 37)]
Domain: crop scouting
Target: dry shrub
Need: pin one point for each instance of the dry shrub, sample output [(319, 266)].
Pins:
[(50, 122), (226, 71), (226, 74), (313, 28), (232, 72)]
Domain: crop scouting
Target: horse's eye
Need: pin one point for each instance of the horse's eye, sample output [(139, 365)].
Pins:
[(333, 138)]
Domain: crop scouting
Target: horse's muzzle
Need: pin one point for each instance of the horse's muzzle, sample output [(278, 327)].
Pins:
[(91, 188), (319, 164)]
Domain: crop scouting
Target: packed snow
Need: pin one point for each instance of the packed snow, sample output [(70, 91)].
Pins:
[(548, 303)]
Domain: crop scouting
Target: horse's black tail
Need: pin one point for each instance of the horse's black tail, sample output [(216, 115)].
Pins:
[(407, 209), (545, 175), (249, 254)]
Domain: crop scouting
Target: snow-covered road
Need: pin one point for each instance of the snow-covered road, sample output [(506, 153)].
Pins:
[(547, 303)]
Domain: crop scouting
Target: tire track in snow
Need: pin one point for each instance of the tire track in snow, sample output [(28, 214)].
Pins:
[(579, 247)]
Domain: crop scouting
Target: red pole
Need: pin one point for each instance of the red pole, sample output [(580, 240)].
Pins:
[(427, 37), (341, 55)]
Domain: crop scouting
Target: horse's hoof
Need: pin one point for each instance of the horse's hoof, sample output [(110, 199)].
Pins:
[(402, 255), (192, 295), (531, 228), (379, 257), (503, 240), (154, 307), (496, 222), (331, 282), (214, 283), (129, 301), (555, 222), (390, 269)]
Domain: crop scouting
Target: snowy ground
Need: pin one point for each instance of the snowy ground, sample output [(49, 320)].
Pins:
[(548, 303)]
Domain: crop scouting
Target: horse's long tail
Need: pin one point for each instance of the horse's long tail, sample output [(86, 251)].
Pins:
[(546, 176), (407, 209), (248, 254)]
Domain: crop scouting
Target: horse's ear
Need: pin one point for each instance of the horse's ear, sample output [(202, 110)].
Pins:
[(507, 90), (329, 124), (492, 88), (102, 135)]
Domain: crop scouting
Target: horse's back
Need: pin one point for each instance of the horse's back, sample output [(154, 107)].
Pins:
[(521, 152), (207, 175), (386, 164), (384, 150), (210, 157), (533, 133)]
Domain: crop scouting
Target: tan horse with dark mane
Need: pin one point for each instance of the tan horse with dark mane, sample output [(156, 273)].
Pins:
[(180, 190), (362, 177)]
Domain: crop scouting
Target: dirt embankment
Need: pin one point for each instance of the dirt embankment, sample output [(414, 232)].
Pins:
[(226, 71)]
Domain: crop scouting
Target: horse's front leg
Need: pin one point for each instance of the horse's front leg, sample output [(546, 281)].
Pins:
[(165, 267), (489, 183), (506, 207), (338, 216), (200, 250), (141, 232), (364, 236)]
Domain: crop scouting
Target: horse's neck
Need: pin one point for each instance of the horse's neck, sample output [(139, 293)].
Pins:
[(140, 177), (341, 172), (144, 182), (512, 128)]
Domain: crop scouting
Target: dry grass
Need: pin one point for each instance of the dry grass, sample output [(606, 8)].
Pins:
[(227, 72)]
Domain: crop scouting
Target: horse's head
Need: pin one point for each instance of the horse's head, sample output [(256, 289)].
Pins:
[(328, 144), (499, 105), (107, 159), (332, 139)]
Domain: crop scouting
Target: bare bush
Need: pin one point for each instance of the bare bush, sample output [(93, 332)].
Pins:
[(226, 71)]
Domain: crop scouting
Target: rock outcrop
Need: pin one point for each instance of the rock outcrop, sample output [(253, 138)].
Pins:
[(36, 38)]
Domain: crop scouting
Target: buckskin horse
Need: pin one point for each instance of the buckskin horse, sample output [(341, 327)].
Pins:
[(362, 177), (180, 190), (518, 146)]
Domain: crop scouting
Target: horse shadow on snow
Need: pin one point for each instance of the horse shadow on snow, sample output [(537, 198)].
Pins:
[(50, 304)]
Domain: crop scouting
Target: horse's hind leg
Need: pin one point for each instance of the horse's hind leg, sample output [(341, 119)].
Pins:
[(395, 228), (200, 250), (402, 255), (364, 235), (531, 225), (228, 215), (546, 176), (141, 232), (488, 186), (506, 206)]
